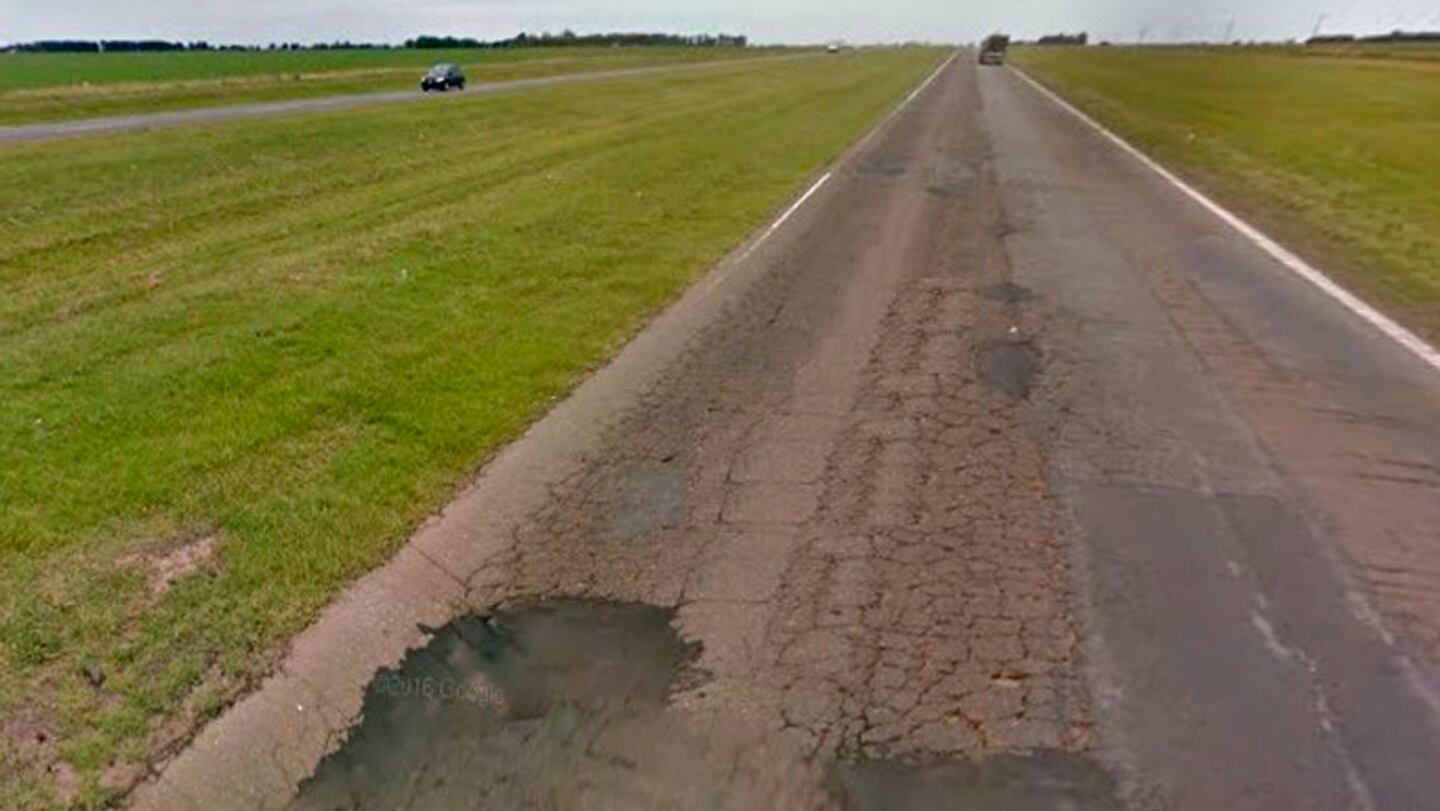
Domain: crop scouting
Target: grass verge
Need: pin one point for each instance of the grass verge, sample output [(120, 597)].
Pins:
[(1335, 155), (239, 365), (55, 87)]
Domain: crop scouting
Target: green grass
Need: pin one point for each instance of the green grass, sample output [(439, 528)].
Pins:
[(300, 336), (1337, 155), (53, 87)]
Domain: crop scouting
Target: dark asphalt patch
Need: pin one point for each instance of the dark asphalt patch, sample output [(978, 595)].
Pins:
[(1006, 292), (1044, 781), (948, 191), (881, 168), (472, 719), (1009, 367)]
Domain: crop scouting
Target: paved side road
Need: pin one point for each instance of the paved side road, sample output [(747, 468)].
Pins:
[(1001, 476), (204, 115)]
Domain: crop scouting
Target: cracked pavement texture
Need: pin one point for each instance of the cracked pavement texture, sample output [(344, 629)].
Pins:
[(1000, 456), (868, 547)]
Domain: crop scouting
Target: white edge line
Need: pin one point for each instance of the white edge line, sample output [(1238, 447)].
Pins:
[(914, 94), (1278, 252), (826, 177), (780, 221), (921, 89)]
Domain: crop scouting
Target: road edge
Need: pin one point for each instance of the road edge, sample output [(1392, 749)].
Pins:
[(1357, 306)]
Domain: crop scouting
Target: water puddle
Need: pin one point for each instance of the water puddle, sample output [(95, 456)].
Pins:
[(1009, 367), (1044, 781), (498, 711)]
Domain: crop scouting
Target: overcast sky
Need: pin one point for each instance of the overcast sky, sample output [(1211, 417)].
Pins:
[(262, 21)]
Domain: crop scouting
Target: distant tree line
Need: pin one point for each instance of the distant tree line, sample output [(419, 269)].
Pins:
[(131, 46), (570, 38), (1393, 36), (1081, 38), (522, 40), (98, 46)]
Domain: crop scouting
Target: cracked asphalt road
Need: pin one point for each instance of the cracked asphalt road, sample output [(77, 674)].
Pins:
[(1007, 479), (868, 544)]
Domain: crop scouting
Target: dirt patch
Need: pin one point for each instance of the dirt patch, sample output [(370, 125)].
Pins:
[(29, 737), (30, 740), (1009, 367), (67, 781), (167, 567)]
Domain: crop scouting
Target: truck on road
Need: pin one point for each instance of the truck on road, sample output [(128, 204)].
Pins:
[(992, 50)]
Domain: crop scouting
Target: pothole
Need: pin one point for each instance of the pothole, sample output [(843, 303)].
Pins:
[(1006, 292), (1047, 780), (498, 709), (1009, 367)]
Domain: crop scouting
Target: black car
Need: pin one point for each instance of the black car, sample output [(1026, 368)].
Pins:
[(442, 77)]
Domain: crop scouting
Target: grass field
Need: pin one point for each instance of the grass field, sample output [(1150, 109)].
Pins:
[(52, 87), (1336, 154), (297, 337)]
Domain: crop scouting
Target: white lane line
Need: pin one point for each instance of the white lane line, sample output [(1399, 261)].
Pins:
[(1409, 340), (825, 178), (914, 94), (788, 213), (804, 198), (921, 89)]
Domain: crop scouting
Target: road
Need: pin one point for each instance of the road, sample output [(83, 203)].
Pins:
[(1000, 475), (206, 115)]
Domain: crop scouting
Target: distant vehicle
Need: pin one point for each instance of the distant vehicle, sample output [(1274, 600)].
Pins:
[(833, 48), (992, 51), (442, 77)]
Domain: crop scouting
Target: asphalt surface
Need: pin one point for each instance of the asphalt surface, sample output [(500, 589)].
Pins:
[(1001, 476), (206, 115)]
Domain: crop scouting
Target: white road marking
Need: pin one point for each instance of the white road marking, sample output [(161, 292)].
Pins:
[(774, 226), (914, 94), (921, 89), (1407, 339), (825, 178)]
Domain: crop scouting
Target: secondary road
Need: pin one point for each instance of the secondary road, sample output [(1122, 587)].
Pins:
[(204, 115), (1001, 473)]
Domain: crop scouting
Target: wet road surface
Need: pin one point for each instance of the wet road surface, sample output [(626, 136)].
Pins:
[(348, 101), (1010, 479)]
